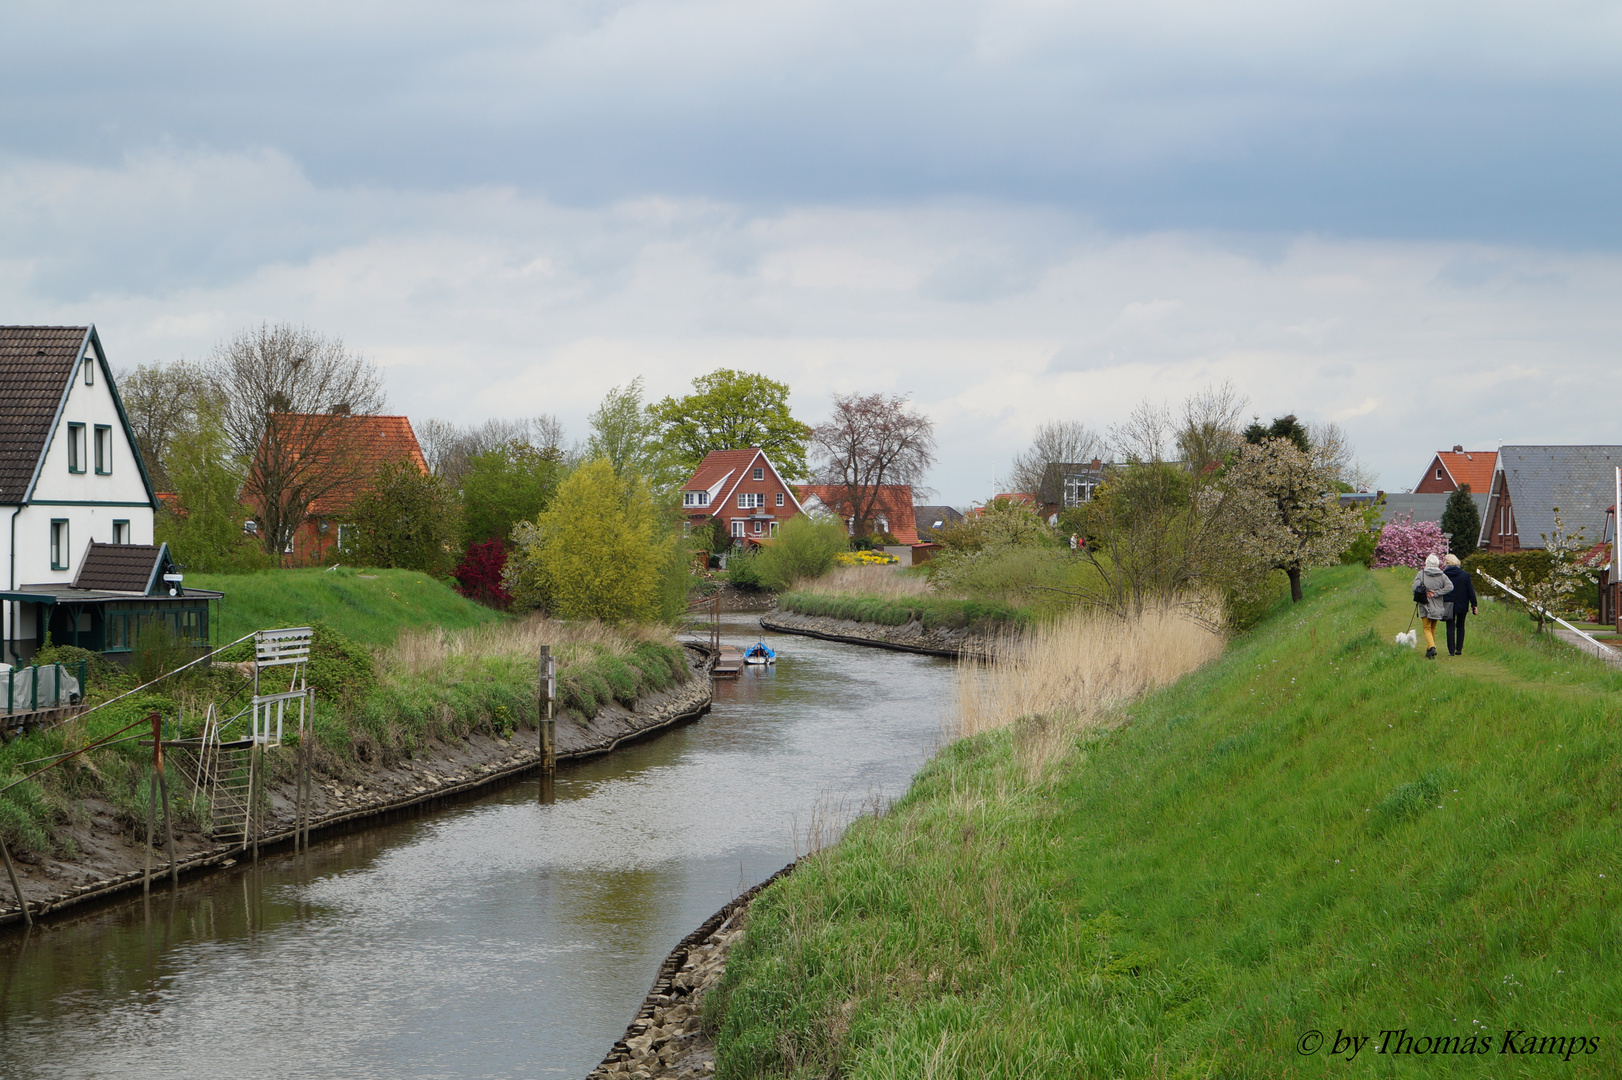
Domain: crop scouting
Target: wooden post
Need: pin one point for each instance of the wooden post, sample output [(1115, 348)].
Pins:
[(151, 828), (163, 794), (11, 872), (548, 725)]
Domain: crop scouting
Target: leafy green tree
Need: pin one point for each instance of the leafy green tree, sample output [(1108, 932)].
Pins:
[(623, 432), (732, 410), (1462, 521), (1285, 427), (509, 484), (599, 551), (408, 519), (204, 531), (804, 548)]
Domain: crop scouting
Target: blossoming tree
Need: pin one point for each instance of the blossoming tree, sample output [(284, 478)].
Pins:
[(1406, 542)]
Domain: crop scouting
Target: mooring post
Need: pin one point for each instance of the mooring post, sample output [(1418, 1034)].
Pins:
[(163, 794), (151, 830), (249, 821), (11, 872), (549, 734)]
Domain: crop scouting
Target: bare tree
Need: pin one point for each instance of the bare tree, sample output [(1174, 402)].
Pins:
[(286, 395), (872, 440), (449, 447), (161, 403), (1067, 441), (1212, 429), (1142, 436), (1333, 453)]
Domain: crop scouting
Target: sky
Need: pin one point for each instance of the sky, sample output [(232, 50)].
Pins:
[(1398, 217)]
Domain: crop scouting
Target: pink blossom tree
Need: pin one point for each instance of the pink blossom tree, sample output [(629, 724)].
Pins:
[(1406, 542)]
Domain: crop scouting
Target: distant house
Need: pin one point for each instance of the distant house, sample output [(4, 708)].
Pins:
[(931, 519), (1532, 482), (70, 474), (742, 489), (1452, 469), (1429, 507), (893, 513), (1066, 485), (360, 445)]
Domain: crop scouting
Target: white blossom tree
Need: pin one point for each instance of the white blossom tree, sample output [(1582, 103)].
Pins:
[(1284, 511), (1569, 567)]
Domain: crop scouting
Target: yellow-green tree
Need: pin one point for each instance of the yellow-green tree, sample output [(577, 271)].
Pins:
[(598, 551)]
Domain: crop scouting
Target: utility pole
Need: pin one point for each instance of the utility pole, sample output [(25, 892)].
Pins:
[(548, 726)]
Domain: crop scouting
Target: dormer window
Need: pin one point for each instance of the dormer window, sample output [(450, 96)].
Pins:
[(76, 454), (760, 474), (695, 498)]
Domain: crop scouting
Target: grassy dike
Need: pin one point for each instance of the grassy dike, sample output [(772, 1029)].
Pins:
[(1319, 832)]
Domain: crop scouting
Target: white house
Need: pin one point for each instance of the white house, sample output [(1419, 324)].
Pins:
[(70, 475)]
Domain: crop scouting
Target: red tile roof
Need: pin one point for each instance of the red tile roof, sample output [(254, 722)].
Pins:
[(1473, 467), (716, 464), (894, 503), (374, 441)]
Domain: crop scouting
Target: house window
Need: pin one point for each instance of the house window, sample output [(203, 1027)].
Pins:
[(748, 500), (737, 528), (773, 529), (1438, 474), (759, 527), (59, 543), (779, 498), (75, 448), (695, 498), (104, 450), (346, 539), (760, 474), (89, 369), (121, 532)]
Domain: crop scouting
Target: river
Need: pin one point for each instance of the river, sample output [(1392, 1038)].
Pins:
[(493, 938)]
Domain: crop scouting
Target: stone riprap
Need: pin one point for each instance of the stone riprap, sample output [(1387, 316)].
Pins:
[(910, 637)]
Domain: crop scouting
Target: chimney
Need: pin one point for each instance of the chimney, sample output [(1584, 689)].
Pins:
[(1458, 449)]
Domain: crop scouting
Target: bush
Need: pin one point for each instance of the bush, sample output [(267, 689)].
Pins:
[(1533, 565), (804, 548), (478, 575), (341, 670), (743, 571)]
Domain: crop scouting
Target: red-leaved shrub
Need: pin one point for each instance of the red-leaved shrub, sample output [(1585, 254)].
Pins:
[(478, 575)]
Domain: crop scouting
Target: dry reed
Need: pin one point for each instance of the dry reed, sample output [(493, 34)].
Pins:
[(1072, 675), (880, 581), (420, 652)]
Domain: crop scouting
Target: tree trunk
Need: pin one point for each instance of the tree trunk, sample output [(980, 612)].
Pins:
[(1295, 583)]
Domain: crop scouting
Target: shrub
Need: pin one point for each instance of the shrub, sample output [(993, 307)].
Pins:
[(743, 571), (340, 669), (804, 548), (478, 575), (1533, 566)]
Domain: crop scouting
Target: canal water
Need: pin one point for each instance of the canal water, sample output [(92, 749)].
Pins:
[(491, 939)]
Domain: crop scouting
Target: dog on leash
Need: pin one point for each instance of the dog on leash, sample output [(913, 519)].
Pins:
[(1409, 638)]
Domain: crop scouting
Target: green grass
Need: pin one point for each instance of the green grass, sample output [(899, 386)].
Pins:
[(1321, 831), (369, 606), (934, 611)]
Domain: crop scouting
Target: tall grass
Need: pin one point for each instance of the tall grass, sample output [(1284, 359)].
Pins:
[(881, 582)]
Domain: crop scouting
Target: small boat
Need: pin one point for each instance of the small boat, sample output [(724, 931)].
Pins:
[(759, 653)]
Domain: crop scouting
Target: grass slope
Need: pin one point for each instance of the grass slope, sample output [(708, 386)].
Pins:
[(1320, 832), (370, 606)]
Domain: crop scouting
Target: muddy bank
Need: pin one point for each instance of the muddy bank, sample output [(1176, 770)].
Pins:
[(666, 1041), (912, 637), (110, 858)]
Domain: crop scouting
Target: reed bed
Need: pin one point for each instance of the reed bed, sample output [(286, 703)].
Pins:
[(422, 652), (883, 582), (1071, 675)]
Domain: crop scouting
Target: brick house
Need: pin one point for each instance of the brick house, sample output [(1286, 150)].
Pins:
[(1532, 482), (1452, 469), (364, 445), (1066, 485), (892, 508), (741, 488)]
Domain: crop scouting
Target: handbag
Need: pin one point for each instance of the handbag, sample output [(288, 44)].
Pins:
[(1419, 593)]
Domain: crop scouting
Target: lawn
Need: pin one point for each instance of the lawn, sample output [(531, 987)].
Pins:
[(1321, 835), (369, 606)]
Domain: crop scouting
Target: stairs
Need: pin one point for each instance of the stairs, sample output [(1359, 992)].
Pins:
[(230, 790)]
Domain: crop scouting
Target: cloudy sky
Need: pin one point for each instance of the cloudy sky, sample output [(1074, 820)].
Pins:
[(1398, 216)]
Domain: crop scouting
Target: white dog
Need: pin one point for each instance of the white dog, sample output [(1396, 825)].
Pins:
[(1410, 639)]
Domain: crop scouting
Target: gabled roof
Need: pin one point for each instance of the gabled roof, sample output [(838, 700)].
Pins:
[(893, 503), (722, 471), (1427, 507), (1580, 480), (1473, 467), (132, 568), (368, 443), (36, 368), (926, 517)]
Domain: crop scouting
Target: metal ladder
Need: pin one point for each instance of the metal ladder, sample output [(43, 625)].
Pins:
[(230, 793)]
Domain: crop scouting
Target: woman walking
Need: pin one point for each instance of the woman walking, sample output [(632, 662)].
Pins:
[(1432, 584), (1463, 598)]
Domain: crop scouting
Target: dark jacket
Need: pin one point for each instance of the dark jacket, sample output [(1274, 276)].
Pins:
[(1464, 589)]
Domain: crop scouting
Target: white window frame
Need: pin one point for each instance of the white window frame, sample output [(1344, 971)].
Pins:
[(695, 498), (1438, 474), (89, 369), (59, 543), (779, 498), (737, 527), (121, 531), (759, 527), (760, 473), (773, 530), (104, 449), (76, 448)]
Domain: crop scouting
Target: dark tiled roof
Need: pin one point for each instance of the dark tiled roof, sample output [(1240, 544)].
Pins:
[(118, 567), (1428, 507), (36, 363), (1051, 489), (1580, 480), (926, 516)]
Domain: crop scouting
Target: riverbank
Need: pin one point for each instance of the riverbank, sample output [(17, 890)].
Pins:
[(1320, 831), (107, 860), (912, 636)]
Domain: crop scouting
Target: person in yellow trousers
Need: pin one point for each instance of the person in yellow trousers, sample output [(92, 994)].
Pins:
[(1433, 585)]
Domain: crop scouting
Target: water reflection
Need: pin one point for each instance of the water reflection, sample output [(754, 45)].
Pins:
[(498, 938)]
